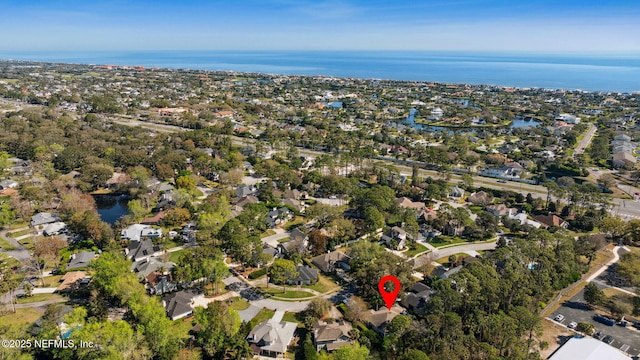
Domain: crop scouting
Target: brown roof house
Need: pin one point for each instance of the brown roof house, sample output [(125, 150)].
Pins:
[(548, 221), (407, 203), (330, 336), (379, 320), (330, 261)]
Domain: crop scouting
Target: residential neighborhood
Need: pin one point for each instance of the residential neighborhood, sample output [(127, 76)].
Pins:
[(202, 214)]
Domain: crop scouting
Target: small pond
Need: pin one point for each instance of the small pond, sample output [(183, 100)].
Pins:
[(111, 207)]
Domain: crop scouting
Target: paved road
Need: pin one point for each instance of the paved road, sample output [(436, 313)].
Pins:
[(20, 253), (628, 212), (586, 140), (39, 303)]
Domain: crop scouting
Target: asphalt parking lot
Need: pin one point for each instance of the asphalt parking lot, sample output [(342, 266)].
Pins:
[(577, 310)]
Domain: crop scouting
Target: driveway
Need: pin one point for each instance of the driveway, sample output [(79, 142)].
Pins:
[(249, 313), (272, 240)]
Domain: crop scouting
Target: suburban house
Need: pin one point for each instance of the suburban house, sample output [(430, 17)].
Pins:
[(81, 260), (140, 250), (395, 238), (330, 261), (279, 216), (137, 232), (150, 264), (552, 220), (621, 159), (44, 218), (306, 276), (299, 205), (379, 320), (159, 284), (299, 242), (71, 281), (294, 194), (156, 219), (246, 190), (178, 305), (8, 184), (272, 337), (480, 198), (250, 199), (523, 219), (500, 210), (331, 336), (117, 179), (55, 228), (417, 299), (407, 203), (456, 193)]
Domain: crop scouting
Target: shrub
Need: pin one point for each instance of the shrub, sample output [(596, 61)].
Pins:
[(256, 274)]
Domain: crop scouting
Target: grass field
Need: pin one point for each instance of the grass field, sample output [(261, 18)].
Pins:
[(238, 304), (21, 317), (418, 248), (323, 285), (444, 240), (289, 294), (292, 317), (38, 297), (264, 314), (5, 244), (174, 256), (15, 234), (50, 281)]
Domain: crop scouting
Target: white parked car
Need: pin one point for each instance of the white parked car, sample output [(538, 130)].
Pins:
[(559, 318), (573, 325)]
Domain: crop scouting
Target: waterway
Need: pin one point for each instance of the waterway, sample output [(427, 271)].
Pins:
[(111, 207)]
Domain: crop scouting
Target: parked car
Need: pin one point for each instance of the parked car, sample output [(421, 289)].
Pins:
[(559, 318), (502, 181), (623, 323), (598, 334), (608, 339), (604, 320), (573, 325)]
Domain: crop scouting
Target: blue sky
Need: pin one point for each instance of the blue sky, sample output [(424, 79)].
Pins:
[(492, 25)]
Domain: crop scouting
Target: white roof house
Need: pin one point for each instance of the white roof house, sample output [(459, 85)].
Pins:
[(136, 232), (587, 348), (272, 337), (55, 228)]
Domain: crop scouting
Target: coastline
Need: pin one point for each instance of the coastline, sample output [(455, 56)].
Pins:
[(592, 73)]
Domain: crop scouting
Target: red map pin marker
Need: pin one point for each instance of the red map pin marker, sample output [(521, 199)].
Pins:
[(389, 297)]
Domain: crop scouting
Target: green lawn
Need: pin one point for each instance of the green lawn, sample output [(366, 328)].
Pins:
[(445, 260), (295, 222), (417, 249), (264, 314), (238, 304), (444, 240), (292, 317), (5, 244), (323, 285), (15, 234), (50, 281), (38, 297), (289, 294), (21, 317), (174, 256), (27, 243)]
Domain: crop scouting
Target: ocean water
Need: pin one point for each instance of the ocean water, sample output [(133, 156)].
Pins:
[(591, 72)]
